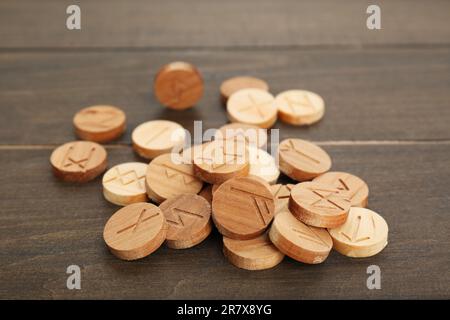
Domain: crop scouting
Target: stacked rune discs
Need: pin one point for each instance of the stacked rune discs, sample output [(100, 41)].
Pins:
[(229, 183)]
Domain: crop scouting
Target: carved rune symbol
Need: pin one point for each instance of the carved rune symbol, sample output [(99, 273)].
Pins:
[(254, 108), (98, 118), (156, 135), (328, 198), (298, 105), (69, 161), (359, 228), (178, 220), (259, 203), (310, 235), (141, 219), (172, 171), (222, 158), (128, 178), (290, 147)]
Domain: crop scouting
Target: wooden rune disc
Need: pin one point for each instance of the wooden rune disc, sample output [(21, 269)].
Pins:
[(281, 193), (153, 138), (253, 135), (319, 205), (232, 85), (221, 161), (189, 220), (135, 231), (99, 123), (167, 176), (357, 188), (253, 254), (302, 160), (243, 208), (124, 183), (263, 165), (178, 85), (364, 234), (299, 241), (299, 107), (252, 106), (79, 161)]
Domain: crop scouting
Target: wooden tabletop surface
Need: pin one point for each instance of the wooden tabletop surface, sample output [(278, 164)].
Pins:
[(387, 120)]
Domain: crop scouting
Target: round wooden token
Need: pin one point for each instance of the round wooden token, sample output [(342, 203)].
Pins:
[(167, 176), (263, 165), (207, 193), (124, 183), (364, 234), (153, 138), (243, 208), (78, 161), (357, 188), (299, 107), (189, 220), (254, 254), (299, 241), (190, 153), (135, 231), (253, 135), (252, 106), (302, 160), (178, 85), (221, 161), (281, 193), (232, 85), (319, 205), (99, 123)]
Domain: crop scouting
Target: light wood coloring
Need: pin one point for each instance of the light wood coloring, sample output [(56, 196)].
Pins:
[(135, 231), (243, 208), (254, 254), (167, 176), (99, 123), (252, 106), (357, 188), (78, 161), (364, 234), (232, 85), (221, 161), (281, 193), (263, 165), (302, 160), (178, 85), (124, 183), (299, 241), (319, 205), (253, 135), (189, 220), (299, 107), (153, 138)]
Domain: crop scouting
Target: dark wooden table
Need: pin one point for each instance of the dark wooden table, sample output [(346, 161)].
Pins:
[(387, 120)]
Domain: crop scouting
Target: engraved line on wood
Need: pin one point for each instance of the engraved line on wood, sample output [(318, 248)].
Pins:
[(182, 211), (294, 103), (103, 123), (159, 133), (250, 193), (120, 177), (292, 148), (326, 198), (316, 238), (351, 232), (140, 220), (187, 178), (254, 106), (81, 163)]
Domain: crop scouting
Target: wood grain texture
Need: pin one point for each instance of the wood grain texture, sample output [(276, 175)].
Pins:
[(44, 232), (399, 94), (197, 23)]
